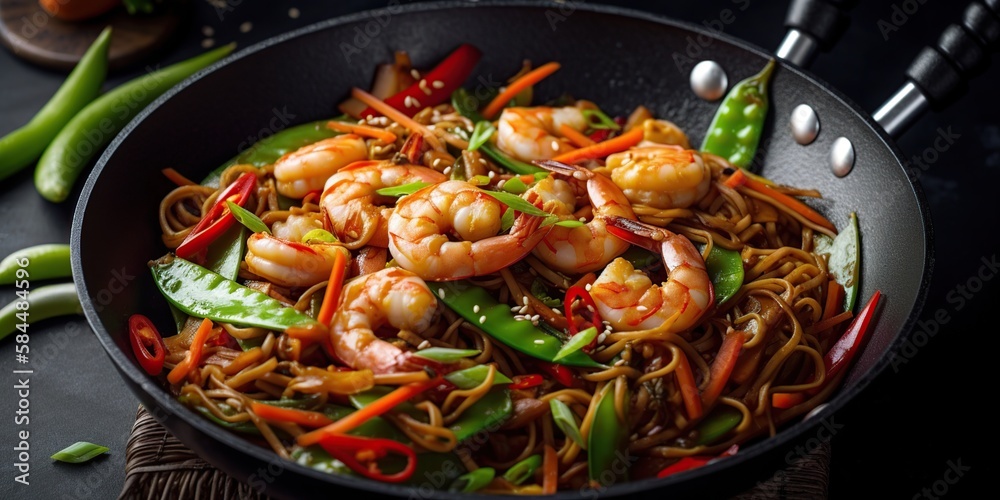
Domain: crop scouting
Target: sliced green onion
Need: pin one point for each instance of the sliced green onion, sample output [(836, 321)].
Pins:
[(319, 235), (515, 185), (517, 203), (480, 134), (474, 376), (576, 342), (566, 421), (402, 190), (473, 481), (523, 470), (79, 452), (479, 180), (569, 223), (507, 220), (446, 355), (602, 122), (248, 218)]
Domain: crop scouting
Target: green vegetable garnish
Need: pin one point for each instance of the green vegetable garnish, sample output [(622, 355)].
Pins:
[(79, 452)]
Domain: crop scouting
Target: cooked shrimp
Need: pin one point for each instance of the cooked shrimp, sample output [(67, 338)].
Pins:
[(289, 263), (352, 206), (296, 226), (660, 176), (391, 296), (529, 133), (629, 300), (449, 231), (585, 248), (306, 169)]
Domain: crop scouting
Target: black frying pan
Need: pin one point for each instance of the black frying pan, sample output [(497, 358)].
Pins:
[(199, 124)]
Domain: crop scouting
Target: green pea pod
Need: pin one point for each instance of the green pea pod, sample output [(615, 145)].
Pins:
[(464, 297), (474, 376), (204, 294), (95, 125), (565, 419), (79, 452), (722, 420), (34, 305), (844, 262), (725, 268), (485, 415), (226, 253), (266, 151), (642, 259), (523, 470), (460, 100), (24, 145), (41, 262), (445, 354), (473, 481), (607, 442), (739, 122)]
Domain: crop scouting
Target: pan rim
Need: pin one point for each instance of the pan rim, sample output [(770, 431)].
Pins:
[(234, 443)]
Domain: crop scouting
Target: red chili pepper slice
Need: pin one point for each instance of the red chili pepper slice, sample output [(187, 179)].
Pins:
[(361, 454), (688, 463), (217, 220), (560, 373), (842, 352), (526, 381), (147, 344), (437, 85)]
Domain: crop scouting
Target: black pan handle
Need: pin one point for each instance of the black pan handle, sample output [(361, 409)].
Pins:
[(939, 74), (813, 25)]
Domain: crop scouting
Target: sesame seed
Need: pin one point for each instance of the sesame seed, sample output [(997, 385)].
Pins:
[(539, 341), (588, 287), (655, 430), (524, 299), (518, 317), (536, 317), (590, 308), (207, 30), (423, 87), (483, 161), (601, 338), (524, 310), (424, 345), (501, 183), (557, 311), (641, 308), (441, 292), (438, 84), (534, 322), (583, 219), (436, 162), (555, 145), (580, 175), (482, 319), (293, 13), (619, 362), (415, 74), (408, 101), (208, 42), (491, 174), (246, 27), (515, 308), (475, 308), (446, 171)]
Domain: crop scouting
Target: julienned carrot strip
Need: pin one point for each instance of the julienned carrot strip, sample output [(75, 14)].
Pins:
[(193, 357), (602, 149), (177, 178), (550, 471), (689, 390), (826, 324), (784, 400), (740, 179), (723, 366), (376, 408), (333, 288), (577, 138), (530, 78), (363, 131), (834, 298), (292, 415), (397, 116)]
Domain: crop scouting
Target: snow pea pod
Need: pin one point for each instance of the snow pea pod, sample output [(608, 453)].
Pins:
[(41, 262), (725, 268), (226, 253), (38, 304), (844, 258), (474, 376), (22, 146), (95, 125), (607, 442), (722, 420), (204, 294), (739, 122), (475, 304)]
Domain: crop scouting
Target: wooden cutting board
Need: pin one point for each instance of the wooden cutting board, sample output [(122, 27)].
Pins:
[(33, 34)]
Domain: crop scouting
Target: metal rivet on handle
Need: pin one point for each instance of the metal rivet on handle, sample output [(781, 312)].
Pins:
[(842, 156), (709, 80), (804, 123)]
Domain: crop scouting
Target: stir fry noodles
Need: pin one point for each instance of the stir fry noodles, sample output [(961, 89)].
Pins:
[(487, 294)]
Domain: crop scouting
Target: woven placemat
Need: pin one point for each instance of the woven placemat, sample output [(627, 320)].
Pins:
[(159, 467)]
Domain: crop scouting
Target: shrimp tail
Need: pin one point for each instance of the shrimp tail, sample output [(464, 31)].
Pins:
[(649, 237), (574, 171), (506, 251)]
